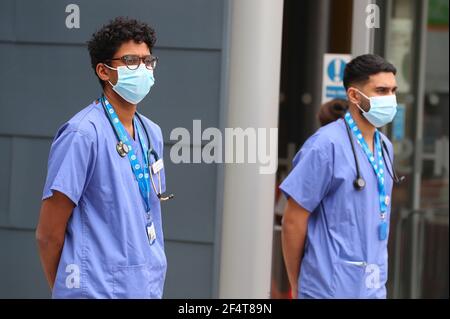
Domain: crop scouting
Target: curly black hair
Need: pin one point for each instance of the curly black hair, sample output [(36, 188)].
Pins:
[(107, 40)]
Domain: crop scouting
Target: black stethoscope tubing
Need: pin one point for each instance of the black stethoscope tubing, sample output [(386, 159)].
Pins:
[(122, 149), (359, 183), (150, 147)]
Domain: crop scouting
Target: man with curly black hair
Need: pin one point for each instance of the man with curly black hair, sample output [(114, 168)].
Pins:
[(99, 233)]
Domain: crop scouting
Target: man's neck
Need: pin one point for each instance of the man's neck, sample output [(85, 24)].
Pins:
[(367, 129), (125, 110)]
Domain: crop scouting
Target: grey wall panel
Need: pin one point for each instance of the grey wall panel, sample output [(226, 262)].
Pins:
[(190, 215), (179, 23), (189, 271), (20, 268), (5, 178), (58, 80), (29, 168), (42, 87), (186, 88), (7, 20)]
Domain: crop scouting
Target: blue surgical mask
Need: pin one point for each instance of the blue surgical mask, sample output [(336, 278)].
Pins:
[(382, 109), (133, 85)]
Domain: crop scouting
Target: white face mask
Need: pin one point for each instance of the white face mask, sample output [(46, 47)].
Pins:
[(133, 85), (382, 109)]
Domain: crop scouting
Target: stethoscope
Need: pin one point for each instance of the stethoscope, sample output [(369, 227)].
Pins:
[(359, 183), (123, 150)]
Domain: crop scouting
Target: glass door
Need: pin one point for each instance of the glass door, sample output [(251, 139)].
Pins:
[(416, 40)]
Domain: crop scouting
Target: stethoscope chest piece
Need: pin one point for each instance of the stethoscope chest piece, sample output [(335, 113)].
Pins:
[(122, 149), (359, 183)]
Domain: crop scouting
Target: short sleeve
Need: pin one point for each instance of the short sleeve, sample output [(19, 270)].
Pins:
[(70, 164), (310, 178)]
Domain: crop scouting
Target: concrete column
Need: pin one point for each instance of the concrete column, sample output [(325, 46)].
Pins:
[(363, 37), (253, 90)]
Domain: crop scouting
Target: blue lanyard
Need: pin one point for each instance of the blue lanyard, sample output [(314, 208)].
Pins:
[(378, 168), (141, 173)]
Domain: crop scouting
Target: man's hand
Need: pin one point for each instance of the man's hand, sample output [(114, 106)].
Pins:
[(50, 232), (293, 235)]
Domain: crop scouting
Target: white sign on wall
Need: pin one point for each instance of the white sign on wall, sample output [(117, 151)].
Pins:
[(333, 76)]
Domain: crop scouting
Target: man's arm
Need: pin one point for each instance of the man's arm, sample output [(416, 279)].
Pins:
[(295, 225), (50, 232)]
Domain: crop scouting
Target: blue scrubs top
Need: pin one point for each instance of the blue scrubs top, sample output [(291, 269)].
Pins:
[(106, 252), (343, 256)]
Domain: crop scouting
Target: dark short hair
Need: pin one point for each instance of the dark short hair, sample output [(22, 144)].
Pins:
[(106, 41), (362, 67)]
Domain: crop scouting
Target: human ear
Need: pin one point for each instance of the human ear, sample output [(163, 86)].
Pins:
[(102, 72)]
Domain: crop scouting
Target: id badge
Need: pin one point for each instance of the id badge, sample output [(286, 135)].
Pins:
[(157, 166), (382, 230), (151, 233)]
